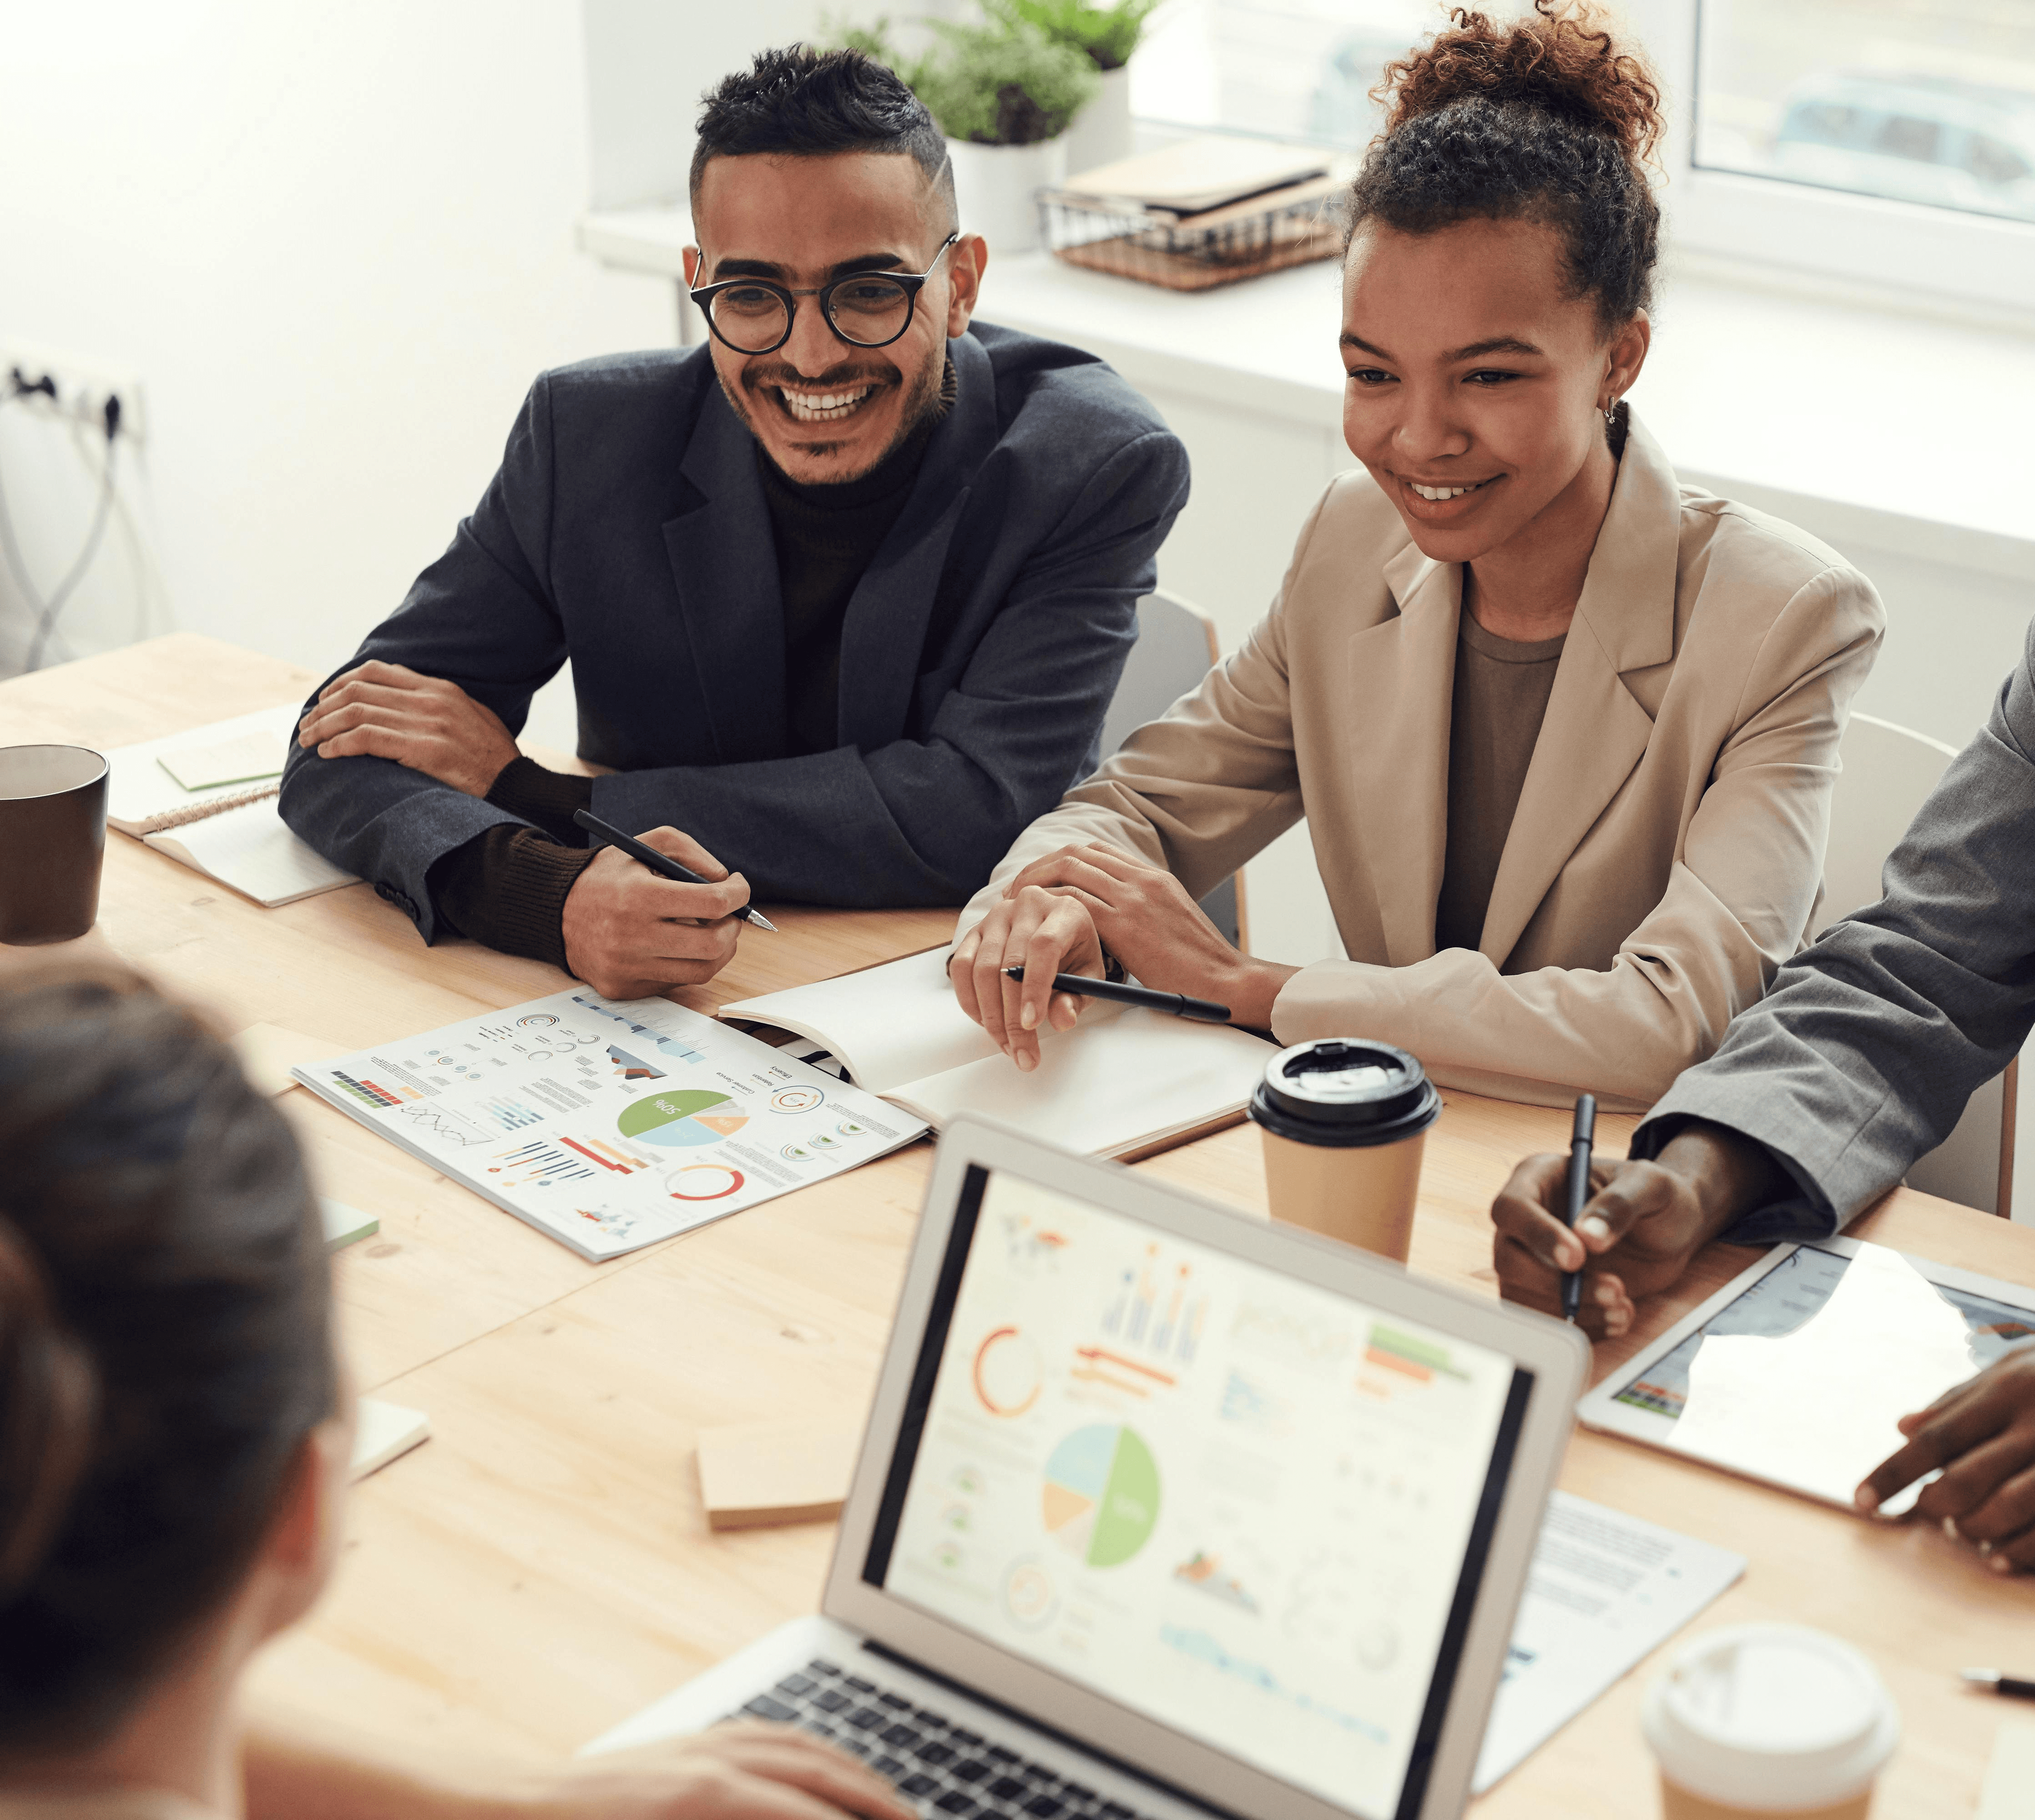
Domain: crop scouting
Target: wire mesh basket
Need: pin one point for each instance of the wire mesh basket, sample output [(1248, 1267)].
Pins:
[(1289, 226)]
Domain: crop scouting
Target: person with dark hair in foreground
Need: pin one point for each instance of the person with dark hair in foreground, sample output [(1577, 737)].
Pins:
[(175, 1433), (1858, 1063), (846, 591), (1563, 730)]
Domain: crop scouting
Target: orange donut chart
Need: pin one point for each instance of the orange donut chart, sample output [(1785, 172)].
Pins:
[(999, 1402), (715, 1171)]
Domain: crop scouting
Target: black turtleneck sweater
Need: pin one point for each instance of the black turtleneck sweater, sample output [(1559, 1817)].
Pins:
[(507, 887)]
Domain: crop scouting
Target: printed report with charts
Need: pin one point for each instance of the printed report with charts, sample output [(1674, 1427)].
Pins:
[(610, 1124)]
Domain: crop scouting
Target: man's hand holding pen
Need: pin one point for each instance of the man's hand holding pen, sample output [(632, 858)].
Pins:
[(630, 934)]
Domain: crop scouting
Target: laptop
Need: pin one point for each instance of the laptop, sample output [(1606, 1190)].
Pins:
[(1164, 1512)]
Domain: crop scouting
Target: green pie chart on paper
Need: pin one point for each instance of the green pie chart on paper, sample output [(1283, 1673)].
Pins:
[(1100, 1498), (684, 1117)]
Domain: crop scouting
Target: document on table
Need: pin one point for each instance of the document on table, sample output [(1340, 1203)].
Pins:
[(1606, 1590), (609, 1124)]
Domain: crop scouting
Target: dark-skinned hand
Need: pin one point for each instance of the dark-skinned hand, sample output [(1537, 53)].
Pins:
[(1642, 1225), (1980, 1436)]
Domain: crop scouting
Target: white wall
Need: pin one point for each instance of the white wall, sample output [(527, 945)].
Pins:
[(334, 239)]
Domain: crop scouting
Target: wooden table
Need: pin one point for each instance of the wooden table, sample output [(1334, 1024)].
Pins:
[(541, 1568)]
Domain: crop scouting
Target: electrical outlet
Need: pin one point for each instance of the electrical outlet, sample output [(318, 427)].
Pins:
[(82, 386)]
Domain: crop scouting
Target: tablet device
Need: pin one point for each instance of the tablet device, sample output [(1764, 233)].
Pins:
[(1796, 1370)]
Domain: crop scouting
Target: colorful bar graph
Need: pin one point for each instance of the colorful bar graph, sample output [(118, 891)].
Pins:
[(366, 1092)]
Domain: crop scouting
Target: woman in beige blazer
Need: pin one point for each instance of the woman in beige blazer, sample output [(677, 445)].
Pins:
[(1563, 730)]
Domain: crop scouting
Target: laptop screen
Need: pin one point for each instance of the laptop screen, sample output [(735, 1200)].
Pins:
[(1245, 1507)]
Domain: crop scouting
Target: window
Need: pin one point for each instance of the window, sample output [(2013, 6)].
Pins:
[(1930, 103), (1889, 142)]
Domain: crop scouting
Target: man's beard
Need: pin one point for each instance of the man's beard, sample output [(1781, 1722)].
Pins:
[(921, 402)]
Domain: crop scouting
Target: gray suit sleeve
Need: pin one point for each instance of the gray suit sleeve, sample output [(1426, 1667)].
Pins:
[(1862, 1057), (923, 821), (372, 815)]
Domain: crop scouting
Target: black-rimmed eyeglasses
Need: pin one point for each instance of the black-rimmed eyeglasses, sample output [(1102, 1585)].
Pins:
[(865, 309)]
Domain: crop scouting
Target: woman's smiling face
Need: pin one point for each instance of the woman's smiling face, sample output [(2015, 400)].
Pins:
[(1477, 380)]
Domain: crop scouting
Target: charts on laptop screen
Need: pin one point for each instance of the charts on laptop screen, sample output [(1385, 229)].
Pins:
[(1242, 1506)]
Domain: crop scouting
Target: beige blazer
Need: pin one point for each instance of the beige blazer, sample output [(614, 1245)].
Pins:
[(1666, 852)]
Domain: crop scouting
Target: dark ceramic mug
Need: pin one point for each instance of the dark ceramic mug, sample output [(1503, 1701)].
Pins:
[(52, 841)]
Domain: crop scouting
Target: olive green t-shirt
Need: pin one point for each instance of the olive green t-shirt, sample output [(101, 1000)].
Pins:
[(1500, 700)]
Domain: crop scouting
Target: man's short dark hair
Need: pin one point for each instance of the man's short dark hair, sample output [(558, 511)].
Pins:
[(806, 103)]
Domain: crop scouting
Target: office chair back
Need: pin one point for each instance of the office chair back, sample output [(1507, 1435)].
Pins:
[(1888, 773), (1176, 647)]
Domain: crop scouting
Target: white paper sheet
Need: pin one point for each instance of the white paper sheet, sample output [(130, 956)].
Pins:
[(1816, 1407), (253, 851), (1605, 1591), (887, 1024), (382, 1432), (610, 1124), (138, 786), (1121, 1078)]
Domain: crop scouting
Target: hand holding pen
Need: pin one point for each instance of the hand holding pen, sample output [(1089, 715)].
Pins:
[(661, 863), (633, 929)]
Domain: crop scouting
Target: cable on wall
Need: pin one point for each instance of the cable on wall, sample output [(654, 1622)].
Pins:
[(45, 612)]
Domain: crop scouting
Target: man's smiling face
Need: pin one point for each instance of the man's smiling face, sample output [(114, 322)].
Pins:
[(823, 409)]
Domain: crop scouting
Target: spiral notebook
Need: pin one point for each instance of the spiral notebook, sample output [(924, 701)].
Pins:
[(207, 798)]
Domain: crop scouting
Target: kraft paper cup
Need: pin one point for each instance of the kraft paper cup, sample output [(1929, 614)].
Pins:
[(52, 840), (1344, 1122), (1758, 1720)]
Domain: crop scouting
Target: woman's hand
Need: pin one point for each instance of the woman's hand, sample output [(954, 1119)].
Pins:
[(744, 1772), (1058, 915), (292, 1770), (1981, 1437), (1045, 932)]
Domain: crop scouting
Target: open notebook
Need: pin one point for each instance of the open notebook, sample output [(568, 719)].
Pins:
[(207, 798), (1122, 1083)]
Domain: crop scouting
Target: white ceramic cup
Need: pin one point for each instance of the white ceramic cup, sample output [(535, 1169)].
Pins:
[(1764, 1719)]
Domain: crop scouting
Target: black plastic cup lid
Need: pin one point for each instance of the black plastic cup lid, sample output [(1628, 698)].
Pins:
[(1344, 1091)]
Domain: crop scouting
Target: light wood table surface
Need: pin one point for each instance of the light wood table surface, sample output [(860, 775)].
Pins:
[(541, 1568)]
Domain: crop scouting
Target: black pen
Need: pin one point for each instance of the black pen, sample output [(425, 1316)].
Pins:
[(1201, 1010), (662, 864), (1584, 1131), (2014, 1686)]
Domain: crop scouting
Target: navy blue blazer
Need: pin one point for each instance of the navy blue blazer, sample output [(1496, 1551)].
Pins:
[(627, 530)]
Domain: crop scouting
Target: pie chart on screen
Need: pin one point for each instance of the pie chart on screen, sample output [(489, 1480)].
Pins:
[(681, 1118), (1101, 1495)]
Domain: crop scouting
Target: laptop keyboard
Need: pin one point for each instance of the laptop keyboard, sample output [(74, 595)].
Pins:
[(942, 1768)]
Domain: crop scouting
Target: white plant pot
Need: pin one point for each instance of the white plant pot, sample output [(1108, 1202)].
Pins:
[(997, 187), (1100, 133)]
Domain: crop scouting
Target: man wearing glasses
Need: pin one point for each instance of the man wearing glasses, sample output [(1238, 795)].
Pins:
[(846, 592)]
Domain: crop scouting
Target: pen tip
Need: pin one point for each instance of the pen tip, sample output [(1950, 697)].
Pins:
[(1981, 1677), (762, 922)]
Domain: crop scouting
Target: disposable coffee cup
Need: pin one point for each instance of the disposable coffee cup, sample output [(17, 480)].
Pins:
[(52, 840), (1765, 1719), (1344, 1122)]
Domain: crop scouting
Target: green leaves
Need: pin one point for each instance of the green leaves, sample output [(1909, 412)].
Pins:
[(999, 86), (1108, 34)]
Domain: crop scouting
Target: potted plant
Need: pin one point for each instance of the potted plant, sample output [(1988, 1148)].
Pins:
[(1003, 97), (1105, 35)]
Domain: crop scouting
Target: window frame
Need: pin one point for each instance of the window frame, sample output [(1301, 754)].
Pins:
[(1983, 263)]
